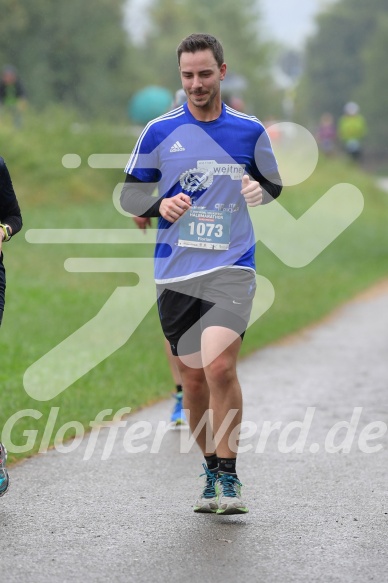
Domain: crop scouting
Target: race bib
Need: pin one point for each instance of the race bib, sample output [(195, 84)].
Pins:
[(205, 229)]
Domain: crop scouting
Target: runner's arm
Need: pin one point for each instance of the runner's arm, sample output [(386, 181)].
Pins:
[(271, 186), (9, 208), (136, 198)]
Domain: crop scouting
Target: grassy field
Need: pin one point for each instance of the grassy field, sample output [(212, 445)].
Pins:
[(46, 303)]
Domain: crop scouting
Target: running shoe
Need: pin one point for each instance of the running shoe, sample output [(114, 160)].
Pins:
[(229, 495), (207, 502), (178, 416), (4, 478)]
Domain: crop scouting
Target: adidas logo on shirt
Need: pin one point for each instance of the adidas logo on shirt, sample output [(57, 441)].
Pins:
[(177, 147)]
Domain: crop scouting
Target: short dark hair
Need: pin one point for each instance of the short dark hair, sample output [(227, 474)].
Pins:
[(200, 42)]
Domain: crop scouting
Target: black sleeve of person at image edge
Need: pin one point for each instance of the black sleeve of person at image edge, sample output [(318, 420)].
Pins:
[(136, 196), (9, 208), (10, 215)]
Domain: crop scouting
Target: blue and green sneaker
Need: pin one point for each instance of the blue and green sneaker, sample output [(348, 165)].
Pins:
[(4, 478), (178, 416), (229, 495)]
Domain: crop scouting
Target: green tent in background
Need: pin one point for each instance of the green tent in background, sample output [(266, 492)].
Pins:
[(149, 103)]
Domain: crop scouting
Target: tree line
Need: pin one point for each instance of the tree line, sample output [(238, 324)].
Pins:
[(78, 53)]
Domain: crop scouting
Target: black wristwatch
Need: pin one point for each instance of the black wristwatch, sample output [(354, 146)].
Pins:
[(7, 232)]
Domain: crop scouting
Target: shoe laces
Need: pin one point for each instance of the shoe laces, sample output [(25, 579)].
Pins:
[(211, 478), (229, 483)]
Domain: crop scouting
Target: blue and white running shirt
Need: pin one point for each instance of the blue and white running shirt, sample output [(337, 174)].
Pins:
[(205, 160)]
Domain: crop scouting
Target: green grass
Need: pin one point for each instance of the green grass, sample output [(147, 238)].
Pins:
[(45, 303)]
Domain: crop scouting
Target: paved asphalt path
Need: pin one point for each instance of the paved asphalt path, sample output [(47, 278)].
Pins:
[(316, 515)]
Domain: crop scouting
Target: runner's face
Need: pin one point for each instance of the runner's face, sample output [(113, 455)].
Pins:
[(201, 78)]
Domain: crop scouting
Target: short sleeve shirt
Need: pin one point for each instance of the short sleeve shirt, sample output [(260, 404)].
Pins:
[(205, 160)]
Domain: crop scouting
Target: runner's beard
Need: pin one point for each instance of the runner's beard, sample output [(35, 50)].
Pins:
[(203, 102)]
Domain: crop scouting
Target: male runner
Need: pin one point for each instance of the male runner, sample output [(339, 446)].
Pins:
[(210, 162)]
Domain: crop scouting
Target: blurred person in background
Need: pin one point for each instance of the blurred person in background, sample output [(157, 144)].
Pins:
[(10, 224), (178, 416), (180, 98), (273, 128), (326, 134), (12, 95), (352, 130)]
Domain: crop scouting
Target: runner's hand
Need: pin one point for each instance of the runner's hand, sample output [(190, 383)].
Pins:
[(251, 191), (173, 208), (142, 222)]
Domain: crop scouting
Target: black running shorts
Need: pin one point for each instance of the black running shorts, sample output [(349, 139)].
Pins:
[(220, 298)]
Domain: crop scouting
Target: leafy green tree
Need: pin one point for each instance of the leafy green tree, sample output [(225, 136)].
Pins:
[(72, 52), (333, 69), (373, 93)]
